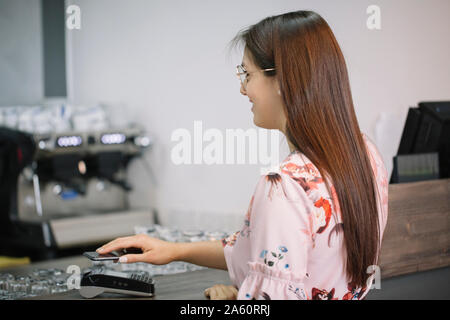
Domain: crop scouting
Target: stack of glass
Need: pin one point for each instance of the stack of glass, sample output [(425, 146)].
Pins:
[(56, 117), (50, 281), (39, 282)]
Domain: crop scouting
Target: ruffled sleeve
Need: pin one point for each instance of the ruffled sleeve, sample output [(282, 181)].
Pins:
[(280, 237)]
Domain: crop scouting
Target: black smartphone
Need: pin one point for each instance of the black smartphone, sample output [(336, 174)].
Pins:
[(95, 256), (111, 256)]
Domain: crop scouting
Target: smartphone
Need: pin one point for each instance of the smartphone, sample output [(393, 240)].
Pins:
[(111, 256), (95, 256)]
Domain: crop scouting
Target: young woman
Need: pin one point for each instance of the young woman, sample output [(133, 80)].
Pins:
[(315, 226)]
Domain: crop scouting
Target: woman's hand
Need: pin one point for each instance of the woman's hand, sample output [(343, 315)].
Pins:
[(154, 250), (221, 292)]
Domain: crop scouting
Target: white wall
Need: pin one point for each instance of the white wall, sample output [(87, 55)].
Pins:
[(165, 64), (21, 64)]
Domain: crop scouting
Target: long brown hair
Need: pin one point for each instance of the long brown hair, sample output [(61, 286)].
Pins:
[(321, 121)]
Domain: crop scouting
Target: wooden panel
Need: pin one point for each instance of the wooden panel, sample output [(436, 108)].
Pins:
[(417, 234)]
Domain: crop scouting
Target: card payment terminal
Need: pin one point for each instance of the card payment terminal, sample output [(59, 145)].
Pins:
[(102, 280)]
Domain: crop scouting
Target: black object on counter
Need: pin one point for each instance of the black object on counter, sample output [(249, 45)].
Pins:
[(103, 280), (426, 132)]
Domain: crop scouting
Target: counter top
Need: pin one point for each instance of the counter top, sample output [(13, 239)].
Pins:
[(181, 286), (430, 284)]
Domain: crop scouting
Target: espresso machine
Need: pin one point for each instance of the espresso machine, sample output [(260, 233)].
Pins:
[(65, 192)]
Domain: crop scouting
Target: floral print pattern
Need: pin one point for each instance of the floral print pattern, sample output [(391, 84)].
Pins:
[(245, 232), (322, 294), (322, 214), (291, 241), (229, 241), (352, 293), (274, 257)]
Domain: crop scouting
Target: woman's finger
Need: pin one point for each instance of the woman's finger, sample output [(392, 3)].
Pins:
[(131, 258), (110, 246), (206, 292), (120, 243), (218, 293), (213, 294), (228, 292), (234, 292), (222, 292)]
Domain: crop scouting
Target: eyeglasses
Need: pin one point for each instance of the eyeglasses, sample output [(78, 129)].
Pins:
[(242, 74)]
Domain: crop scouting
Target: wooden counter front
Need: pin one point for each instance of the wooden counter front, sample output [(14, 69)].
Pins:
[(417, 235)]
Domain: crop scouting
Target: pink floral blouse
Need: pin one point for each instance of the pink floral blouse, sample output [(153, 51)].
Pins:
[(290, 246)]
